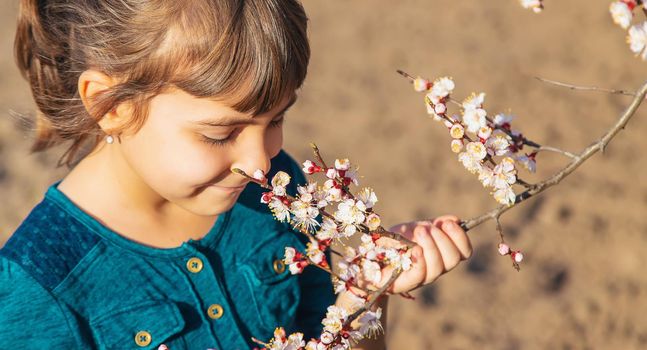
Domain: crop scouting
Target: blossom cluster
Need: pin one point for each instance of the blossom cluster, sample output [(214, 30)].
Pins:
[(515, 255), (327, 213), (336, 335), (536, 5), (622, 13), (479, 140)]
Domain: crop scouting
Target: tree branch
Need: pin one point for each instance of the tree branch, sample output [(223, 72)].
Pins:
[(578, 159)]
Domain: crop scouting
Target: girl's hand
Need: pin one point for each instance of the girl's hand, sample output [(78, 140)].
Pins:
[(442, 244)]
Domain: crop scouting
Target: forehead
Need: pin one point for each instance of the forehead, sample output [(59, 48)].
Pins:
[(209, 111)]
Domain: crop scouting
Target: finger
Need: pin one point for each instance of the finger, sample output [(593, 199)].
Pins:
[(459, 237), (410, 279), (449, 253), (433, 259), (444, 218)]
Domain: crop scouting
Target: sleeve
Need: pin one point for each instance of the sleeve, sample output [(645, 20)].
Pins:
[(317, 292), (30, 316)]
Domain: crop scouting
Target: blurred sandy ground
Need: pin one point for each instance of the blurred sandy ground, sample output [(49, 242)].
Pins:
[(583, 284)]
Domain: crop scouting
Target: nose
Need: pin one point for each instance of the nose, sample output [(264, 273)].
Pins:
[(253, 155)]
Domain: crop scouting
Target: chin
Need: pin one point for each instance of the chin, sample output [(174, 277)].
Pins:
[(213, 208)]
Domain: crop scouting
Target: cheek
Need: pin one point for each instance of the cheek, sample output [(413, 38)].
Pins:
[(172, 162), (274, 141)]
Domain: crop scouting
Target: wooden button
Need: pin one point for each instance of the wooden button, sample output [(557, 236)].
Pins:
[(279, 266), (143, 338), (194, 265), (215, 311)]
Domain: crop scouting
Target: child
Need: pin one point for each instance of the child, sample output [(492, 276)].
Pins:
[(151, 239)]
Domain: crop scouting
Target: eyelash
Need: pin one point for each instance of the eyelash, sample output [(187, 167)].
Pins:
[(225, 141)]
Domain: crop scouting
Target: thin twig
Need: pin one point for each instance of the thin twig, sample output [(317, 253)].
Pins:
[(586, 88), (373, 297), (556, 150), (580, 158), (499, 228), (315, 149)]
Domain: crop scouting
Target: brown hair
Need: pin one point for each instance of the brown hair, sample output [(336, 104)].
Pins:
[(251, 51)]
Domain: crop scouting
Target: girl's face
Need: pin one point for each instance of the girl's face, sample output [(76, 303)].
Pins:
[(187, 147)]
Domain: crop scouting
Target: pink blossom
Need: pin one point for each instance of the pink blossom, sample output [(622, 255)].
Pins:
[(504, 249)]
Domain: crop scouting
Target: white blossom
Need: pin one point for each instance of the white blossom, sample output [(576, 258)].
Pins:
[(474, 119), (535, 5), (637, 39), (527, 162), (504, 249), (290, 254), (350, 213), (328, 229), (442, 87), (327, 338), (517, 256), (474, 101), (457, 146), (367, 196), (505, 195), (279, 209), (502, 120), (342, 164), (476, 150), (498, 145), (621, 14), (371, 271), (484, 132), (335, 317), (457, 131), (259, 175), (304, 215), (281, 179), (420, 84), (367, 246), (373, 221), (370, 325), (470, 163), (332, 193), (504, 174), (486, 176), (314, 253), (315, 345), (398, 259)]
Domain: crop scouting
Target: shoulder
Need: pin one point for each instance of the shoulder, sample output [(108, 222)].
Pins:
[(31, 316), (49, 243)]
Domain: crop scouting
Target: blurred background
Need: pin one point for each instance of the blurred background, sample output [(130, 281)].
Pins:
[(583, 283)]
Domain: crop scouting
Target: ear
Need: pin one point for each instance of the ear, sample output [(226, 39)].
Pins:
[(92, 82)]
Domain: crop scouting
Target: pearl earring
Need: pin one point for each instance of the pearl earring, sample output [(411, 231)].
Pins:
[(110, 139)]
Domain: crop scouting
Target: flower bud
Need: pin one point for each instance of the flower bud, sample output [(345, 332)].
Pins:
[(517, 256), (457, 131), (457, 146), (440, 108), (309, 167), (331, 173), (327, 338), (266, 197), (504, 249), (420, 84), (342, 164)]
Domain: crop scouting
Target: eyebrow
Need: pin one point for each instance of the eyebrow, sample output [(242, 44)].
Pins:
[(229, 121)]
